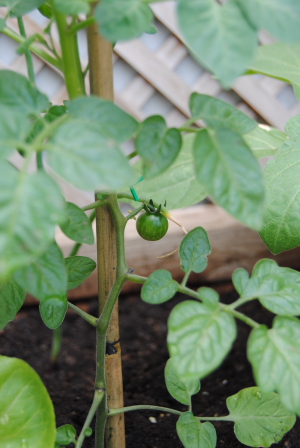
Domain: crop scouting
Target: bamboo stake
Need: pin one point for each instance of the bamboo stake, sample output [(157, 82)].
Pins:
[(101, 83)]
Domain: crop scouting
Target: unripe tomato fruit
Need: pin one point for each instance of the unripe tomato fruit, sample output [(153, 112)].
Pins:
[(152, 226)]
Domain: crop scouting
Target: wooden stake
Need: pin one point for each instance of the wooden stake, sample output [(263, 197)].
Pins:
[(101, 82)]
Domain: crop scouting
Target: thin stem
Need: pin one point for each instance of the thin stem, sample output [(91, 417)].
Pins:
[(48, 130), (188, 123), (98, 397), (85, 71), (81, 25), (241, 301), (143, 406), (134, 213), (132, 155), (240, 316), (94, 205), (183, 289), (187, 129), (56, 343), (185, 278), (90, 319), (33, 48), (39, 161), (28, 56), (139, 407)]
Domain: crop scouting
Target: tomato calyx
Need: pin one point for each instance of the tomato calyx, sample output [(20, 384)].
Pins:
[(150, 208)]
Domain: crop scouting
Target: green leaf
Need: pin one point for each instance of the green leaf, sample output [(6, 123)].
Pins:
[(53, 311), (277, 289), (157, 145), (14, 127), (55, 112), (275, 358), (240, 279), (279, 18), (87, 159), (193, 251), (46, 276), (17, 93), (194, 434), (12, 298), (77, 227), (231, 174), (27, 416), (209, 297), (31, 207), (178, 184), (220, 36), (2, 24), (78, 269), (72, 7), (123, 19), (199, 338), (159, 287), (65, 435), (180, 390), (109, 119), (264, 141), (280, 229), (220, 115), (281, 61), (293, 128), (20, 7), (259, 418)]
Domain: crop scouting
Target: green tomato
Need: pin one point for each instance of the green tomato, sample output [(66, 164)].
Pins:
[(152, 226)]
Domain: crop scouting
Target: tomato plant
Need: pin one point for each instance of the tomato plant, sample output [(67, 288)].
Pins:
[(82, 143)]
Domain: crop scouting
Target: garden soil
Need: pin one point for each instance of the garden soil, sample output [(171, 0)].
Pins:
[(144, 354)]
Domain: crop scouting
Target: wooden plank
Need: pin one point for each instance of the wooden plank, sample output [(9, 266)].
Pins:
[(137, 93), (233, 246), (159, 75), (266, 106), (171, 52)]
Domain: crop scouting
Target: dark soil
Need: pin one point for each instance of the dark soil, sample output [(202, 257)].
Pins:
[(143, 338)]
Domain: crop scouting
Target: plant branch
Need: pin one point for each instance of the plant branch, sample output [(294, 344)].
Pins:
[(70, 58), (48, 130), (90, 319), (28, 55), (98, 397), (81, 25), (33, 48), (163, 409), (134, 213), (183, 289), (241, 301), (132, 155), (240, 316), (94, 205), (185, 278), (39, 161)]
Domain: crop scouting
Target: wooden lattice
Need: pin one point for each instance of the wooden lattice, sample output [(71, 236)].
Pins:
[(156, 75)]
